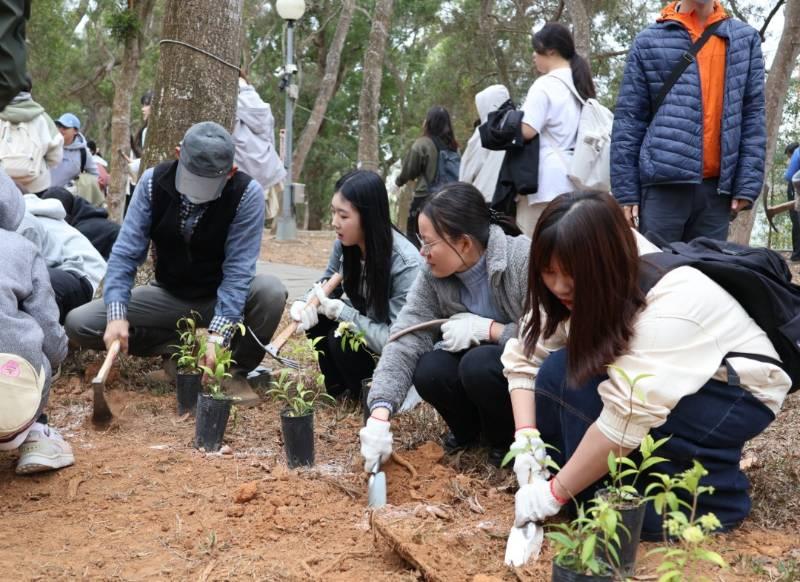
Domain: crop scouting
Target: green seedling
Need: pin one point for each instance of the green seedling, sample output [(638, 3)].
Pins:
[(300, 390), (191, 346)]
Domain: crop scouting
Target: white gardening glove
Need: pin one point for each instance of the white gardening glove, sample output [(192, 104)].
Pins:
[(464, 330), (534, 502), (305, 315), (523, 543), (330, 308), (376, 442), (531, 464)]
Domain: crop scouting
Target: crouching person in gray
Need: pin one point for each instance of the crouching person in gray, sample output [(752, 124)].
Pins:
[(205, 219)]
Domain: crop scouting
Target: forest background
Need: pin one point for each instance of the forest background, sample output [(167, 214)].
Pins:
[(436, 53)]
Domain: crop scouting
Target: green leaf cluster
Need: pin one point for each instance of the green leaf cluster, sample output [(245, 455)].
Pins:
[(122, 24), (224, 360), (683, 558), (588, 544), (301, 389), (191, 346)]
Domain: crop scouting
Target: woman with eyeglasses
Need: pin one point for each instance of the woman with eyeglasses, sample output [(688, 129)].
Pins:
[(475, 276), (379, 265)]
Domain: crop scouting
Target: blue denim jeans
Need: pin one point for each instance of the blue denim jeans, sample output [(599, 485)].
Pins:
[(711, 426)]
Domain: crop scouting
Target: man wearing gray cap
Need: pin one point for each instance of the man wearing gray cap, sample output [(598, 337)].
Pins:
[(205, 219)]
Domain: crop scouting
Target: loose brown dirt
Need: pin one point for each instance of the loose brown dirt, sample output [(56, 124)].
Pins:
[(142, 504)]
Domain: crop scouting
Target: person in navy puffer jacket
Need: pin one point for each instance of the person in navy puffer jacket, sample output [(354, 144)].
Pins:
[(701, 158)]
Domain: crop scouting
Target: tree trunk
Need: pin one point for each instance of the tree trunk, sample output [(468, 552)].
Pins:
[(581, 26), (192, 86), (326, 89), (489, 33), (775, 95), (369, 103), (121, 112)]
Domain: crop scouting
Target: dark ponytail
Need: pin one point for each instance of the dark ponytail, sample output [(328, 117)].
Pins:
[(557, 37), (459, 209)]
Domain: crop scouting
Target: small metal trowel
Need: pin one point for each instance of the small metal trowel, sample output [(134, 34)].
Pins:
[(376, 492)]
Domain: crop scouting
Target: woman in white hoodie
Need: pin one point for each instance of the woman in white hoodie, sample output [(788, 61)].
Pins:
[(479, 166), (587, 319)]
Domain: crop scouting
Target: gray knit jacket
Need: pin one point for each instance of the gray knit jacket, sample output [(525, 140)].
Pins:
[(28, 312), (433, 298)]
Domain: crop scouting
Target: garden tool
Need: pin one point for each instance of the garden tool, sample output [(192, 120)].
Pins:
[(101, 413), (376, 492), (273, 347), (417, 327), (524, 542)]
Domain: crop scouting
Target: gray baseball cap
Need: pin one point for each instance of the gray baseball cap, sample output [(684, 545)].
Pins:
[(206, 159)]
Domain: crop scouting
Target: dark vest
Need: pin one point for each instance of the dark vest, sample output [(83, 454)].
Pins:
[(191, 270)]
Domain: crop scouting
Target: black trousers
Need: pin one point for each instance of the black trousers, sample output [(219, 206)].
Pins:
[(470, 392), (71, 291), (795, 225), (344, 369)]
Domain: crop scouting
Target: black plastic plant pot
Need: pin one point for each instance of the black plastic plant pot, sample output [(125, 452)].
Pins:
[(298, 439), (632, 515), (187, 387), (212, 418), (562, 574), (366, 384)]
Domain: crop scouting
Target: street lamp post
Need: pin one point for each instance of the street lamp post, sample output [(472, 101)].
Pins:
[(290, 11)]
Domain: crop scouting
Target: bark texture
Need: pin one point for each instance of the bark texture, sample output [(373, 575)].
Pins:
[(327, 88), (580, 15), (369, 102), (124, 85), (192, 86), (777, 86)]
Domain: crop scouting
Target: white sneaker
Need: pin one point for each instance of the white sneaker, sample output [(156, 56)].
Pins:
[(43, 450)]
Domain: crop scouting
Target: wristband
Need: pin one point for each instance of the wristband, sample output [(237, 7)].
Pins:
[(376, 418), (559, 500), (523, 427)]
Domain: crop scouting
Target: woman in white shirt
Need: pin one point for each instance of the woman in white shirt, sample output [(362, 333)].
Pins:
[(589, 311), (552, 112)]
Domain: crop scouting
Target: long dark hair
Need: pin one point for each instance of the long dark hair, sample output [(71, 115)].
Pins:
[(437, 126), (366, 191), (557, 37), (589, 238), (459, 209)]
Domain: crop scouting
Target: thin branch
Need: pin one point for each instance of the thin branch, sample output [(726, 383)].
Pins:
[(559, 11), (608, 55), (734, 6), (762, 33)]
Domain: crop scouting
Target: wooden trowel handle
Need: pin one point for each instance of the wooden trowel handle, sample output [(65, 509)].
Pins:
[(329, 286), (102, 373)]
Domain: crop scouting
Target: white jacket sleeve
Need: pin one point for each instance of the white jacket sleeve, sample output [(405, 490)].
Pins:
[(520, 370)]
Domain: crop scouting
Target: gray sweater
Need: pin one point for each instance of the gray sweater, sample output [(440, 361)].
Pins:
[(406, 263), (28, 312), (433, 298)]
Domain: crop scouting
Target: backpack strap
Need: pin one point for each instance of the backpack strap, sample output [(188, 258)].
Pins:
[(83, 159), (683, 63)]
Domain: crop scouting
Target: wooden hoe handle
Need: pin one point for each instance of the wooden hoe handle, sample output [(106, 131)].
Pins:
[(287, 332), (102, 373)]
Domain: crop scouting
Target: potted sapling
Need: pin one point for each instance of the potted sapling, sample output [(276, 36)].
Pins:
[(585, 548), (621, 492), (190, 350), (355, 340), (299, 391), (214, 407)]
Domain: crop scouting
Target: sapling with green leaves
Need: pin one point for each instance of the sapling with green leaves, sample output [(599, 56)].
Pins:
[(351, 338), (588, 544), (191, 346), (683, 559), (301, 389), (216, 376)]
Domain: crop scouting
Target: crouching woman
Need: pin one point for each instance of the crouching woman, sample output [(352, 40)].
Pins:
[(587, 317), (378, 265), (475, 277)]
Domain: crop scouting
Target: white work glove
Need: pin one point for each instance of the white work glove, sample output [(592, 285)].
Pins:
[(330, 308), (305, 315), (376, 442), (464, 330), (523, 542), (534, 503), (531, 464)]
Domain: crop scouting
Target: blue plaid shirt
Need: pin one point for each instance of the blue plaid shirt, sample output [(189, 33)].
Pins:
[(242, 249)]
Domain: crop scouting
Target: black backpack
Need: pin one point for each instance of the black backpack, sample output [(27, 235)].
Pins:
[(757, 278), (448, 165)]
